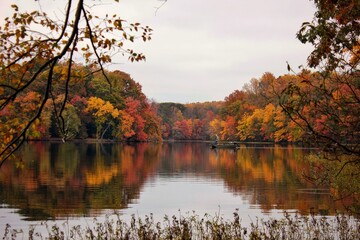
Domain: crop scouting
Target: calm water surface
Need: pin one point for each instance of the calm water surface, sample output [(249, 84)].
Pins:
[(80, 181)]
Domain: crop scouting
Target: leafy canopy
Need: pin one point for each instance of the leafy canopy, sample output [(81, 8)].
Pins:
[(33, 44)]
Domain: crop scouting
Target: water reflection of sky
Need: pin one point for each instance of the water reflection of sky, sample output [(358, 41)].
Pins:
[(161, 197), (177, 195)]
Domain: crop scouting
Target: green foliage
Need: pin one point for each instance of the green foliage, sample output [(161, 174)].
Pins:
[(71, 121), (339, 174)]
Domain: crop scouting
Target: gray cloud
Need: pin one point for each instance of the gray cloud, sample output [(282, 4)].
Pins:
[(202, 50)]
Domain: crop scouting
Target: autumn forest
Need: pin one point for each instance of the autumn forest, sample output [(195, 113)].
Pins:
[(117, 109), (46, 93)]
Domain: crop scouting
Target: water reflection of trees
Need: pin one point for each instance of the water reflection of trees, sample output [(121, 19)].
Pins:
[(273, 178), (73, 178), (64, 179), (185, 158)]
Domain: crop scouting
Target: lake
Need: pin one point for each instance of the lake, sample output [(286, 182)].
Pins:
[(79, 181)]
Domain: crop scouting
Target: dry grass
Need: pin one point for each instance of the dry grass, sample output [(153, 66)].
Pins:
[(193, 226)]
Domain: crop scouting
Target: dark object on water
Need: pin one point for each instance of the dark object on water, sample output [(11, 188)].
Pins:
[(225, 145)]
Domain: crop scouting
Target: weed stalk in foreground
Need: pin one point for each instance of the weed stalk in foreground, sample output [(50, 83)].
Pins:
[(193, 226)]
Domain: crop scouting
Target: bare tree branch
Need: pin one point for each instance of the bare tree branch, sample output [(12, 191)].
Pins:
[(161, 5)]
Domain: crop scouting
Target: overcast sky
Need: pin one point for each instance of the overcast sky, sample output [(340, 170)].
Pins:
[(203, 50)]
